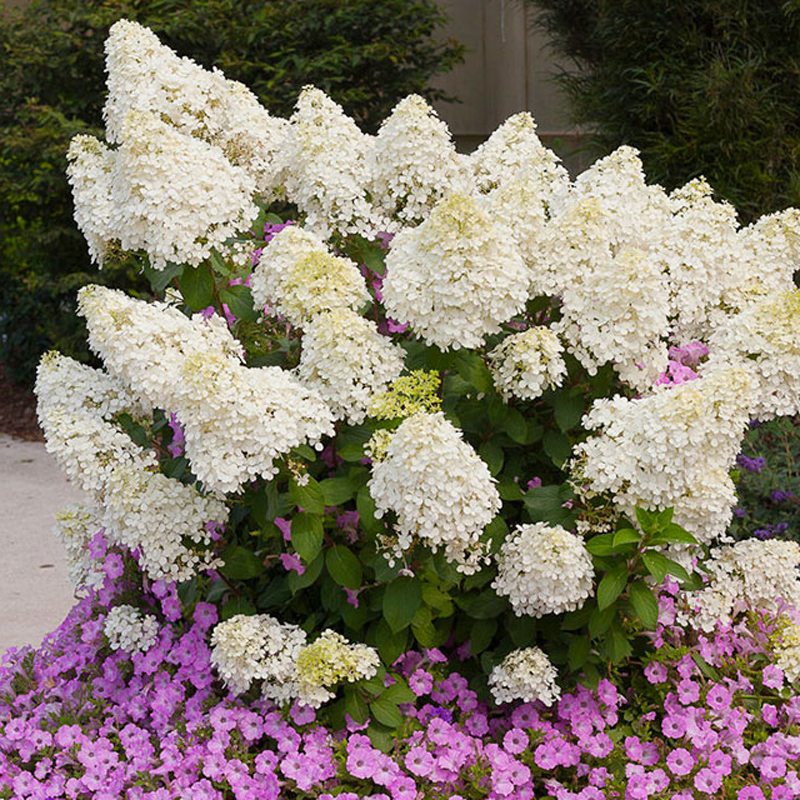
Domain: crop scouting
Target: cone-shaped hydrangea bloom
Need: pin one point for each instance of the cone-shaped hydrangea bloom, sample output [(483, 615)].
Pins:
[(514, 150), (766, 259), (747, 575), (525, 675), (128, 629), (330, 660), (76, 526), (323, 159), (346, 360), (544, 569), (413, 163), (648, 451), (90, 170), (525, 364), (257, 648), (298, 277), (766, 338), (236, 420), (439, 488), (164, 519), (145, 75), (698, 250), (457, 277)]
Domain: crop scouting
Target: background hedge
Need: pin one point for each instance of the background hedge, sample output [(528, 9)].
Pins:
[(701, 87), (366, 54)]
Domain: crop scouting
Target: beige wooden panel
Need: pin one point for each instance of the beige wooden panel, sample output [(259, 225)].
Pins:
[(509, 67)]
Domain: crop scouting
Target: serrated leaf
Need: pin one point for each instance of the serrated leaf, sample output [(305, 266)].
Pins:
[(308, 496), (656, 565), (352, 451), (401, 600), (647, 519), (578, 653), (481, 635), (515, 426), (568, 411), (644, 604), (557, 446), (355, 705), (307, 535), (240, 563), (336, 491), (297, 582), (159, 279), (365, 506), (617, 645), (239, 300), (398, 693), (601, 545), (197, 286), (390, 645), (344, 567), (492, 454), (673, 534), (471, 368), (611, 586), (422, 627), (485, 605), (509, 490), (626, 536), (707, 669)]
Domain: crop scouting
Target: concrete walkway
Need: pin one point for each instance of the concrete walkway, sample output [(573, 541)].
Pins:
[(35, 594)]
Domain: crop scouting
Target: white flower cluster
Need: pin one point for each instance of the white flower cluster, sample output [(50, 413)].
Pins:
[(699, 253), (236, 420), (347, 361), (766, 337), (747, 575), (257, 648), (323, 159), (439, 488), (155, 514), (260, 648), (544, 569), (76, 526), (526, 675), (298, 277), (138, 507), (173, 196), (456, 277), (525, 364), (787, 652), (514, 154), (145, 75), (413, 163), (329, 660), (672, 448), (128, 629)]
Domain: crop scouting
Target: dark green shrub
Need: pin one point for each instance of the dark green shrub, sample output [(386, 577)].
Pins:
[(366, 54), (702, 87)]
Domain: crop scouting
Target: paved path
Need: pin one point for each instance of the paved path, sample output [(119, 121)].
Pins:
[(35, 594)]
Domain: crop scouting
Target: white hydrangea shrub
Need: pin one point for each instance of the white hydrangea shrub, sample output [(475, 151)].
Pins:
[(499, 254)]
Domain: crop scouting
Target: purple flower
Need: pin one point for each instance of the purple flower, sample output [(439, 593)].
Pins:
[(419, 761), (750, 793), (680, 762), (655, 672), (718, 697), (751, 464), (516, 741), (772, 767), (292, 561), (707, 781), (420, 682), (772, 676), (688, 691)]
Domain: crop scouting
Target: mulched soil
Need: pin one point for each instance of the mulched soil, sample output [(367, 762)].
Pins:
[(18, 411)]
